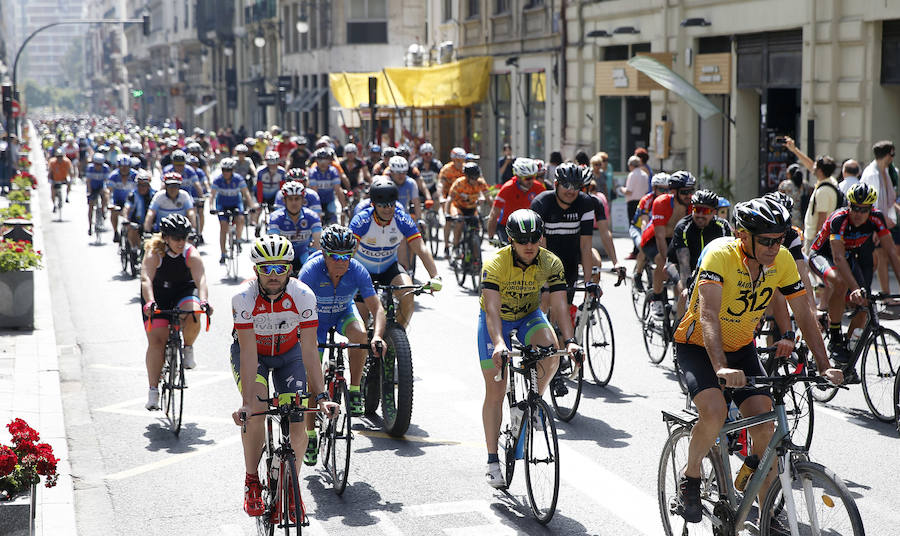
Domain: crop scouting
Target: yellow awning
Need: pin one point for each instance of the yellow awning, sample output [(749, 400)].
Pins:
[(460, 83)]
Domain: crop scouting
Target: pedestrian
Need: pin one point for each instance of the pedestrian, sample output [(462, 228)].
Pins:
[(504, 165), (642, 153), (555, 160), (582, 159), (849, 174), (882, 175), (824, 198), (792, 186), (601, 174)]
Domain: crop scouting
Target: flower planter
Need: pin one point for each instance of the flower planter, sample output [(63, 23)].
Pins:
[(17, 515), (16, 302)]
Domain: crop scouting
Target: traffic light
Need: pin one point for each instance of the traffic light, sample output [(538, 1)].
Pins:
[(146, 25), (136, 93), (7, 99)]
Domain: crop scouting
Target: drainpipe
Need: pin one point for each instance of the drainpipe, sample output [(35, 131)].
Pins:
[(811, 79), (563, 71)]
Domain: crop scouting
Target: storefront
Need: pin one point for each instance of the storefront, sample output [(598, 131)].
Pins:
[(712, 77)]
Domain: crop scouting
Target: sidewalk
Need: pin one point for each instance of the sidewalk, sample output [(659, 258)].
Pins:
[(29, 382)]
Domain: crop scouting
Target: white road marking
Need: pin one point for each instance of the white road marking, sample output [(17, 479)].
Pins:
[(141, 400), (385, 524), (177, 458), (185, 418)]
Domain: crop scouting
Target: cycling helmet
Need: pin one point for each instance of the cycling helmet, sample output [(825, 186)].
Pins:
[(172, 177), (351, 148), (383, 191), (541, 166), (398, 164), (681, 179), (172, 144), (301, 140), (321, 154), (572, 175), (293, 188), (862, 194), (228, 163), (338, 239), (98, 158), (58, 152), (457, 152), (143, 176), (194, 148), (780, 197), (426, 148), (525, 226), (175, 225), (375, 148), (471, 170), (249, 141), (525, 167), (404, 151), (271, 156), (388, 153), (241, 148), (762, 216), (705, 198), (269, 248), (135, 162), (660, 180), (193, 160), (136, 148), (724, 203), (295, 174), (179, 157)]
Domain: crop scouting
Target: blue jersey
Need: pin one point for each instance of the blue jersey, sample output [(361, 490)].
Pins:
[(300, 233), (324, 183), (228, 193), (312, 201), (201, 180), (406, 192), (188, 178), (136, 205), (332, 302), (378, 244), (120, 189), (95, 175)]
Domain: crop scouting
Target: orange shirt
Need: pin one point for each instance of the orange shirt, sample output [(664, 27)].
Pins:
[(448, 174), (467, 193), (59, 168)]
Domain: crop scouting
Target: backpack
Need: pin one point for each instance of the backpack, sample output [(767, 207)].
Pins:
[(841, 198)]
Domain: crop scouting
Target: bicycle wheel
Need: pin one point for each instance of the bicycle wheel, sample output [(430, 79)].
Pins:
[(338, 459), (98, 223), (897, 402), (396, 382), (475, 262), (655, 341), (135, 262), (822, 502), (233, 255), (566, 405), (293, 522), (433, 240), (877, 373), (175, 382), (820, 393), (541, 461), (510, 443), (458, 262), (600, 345), (679, 375), (798, 405), (637, 302), (712, 485), (124, 254), (269, 481), (372, 385)]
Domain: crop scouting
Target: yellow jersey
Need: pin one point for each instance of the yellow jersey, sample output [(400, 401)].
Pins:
[(520, 288), (723, 262)]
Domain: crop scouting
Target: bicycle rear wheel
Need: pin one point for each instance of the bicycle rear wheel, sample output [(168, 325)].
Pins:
[(879, 367), (337, 458), (292, 521), (655, 340), (458, 262), (637, 302), (475, 261), (396, 382), (433, 240), (823, 504), (98, 223), (124, 253), (173, 389), (897, 402), (541, 461), (566, 405), (510, 443), (600, 345)]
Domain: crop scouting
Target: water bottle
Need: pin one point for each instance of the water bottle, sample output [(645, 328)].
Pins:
[(733, 412), (515, 419), (750, 464), (854, 339)]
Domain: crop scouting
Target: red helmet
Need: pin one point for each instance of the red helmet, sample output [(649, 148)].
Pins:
[(172, 177)]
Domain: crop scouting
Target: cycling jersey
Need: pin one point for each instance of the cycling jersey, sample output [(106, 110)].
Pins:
[(793, 241), (268, 184), (120, 189), (645, 205), (201, 180), (466, 193), (688, 235), (163, 205), (429, 172), (406, 192), (136, 205), (95, 176), (276, 323), (173, 284), (246, 169), (564, 227), (59, 169), (511, 198), (333, 302), (352, 169), (520, 288), (188, 177), (378, 243), (448, 175), (723, 262), (228, 193), (838, 227), (300, 233), (312, 201), (71, 151), (660, 214), (324, 183)]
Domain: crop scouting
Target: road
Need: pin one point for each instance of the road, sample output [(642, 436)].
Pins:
[(132, 476)]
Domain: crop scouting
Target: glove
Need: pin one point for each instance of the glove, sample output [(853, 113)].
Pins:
[(429, 203), (591, 288), (435, 283), (149, 307), (212, 210)]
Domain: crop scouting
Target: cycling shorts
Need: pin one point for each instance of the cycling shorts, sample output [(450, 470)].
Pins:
[(119, 197), (287, 371), (340, 321), (650, 251), (224, 217), (187, 301), (329, 213), (861, 266), (527, 326), (457, 211), (93, 193), (699, 374)]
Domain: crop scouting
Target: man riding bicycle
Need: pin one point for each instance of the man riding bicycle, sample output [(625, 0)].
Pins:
[(463, 198), (136, 205), (171, 200), (325, 179), (714, 342), (518, 192), (268, 182), (121, 182), (428, 169), (59, 169), (229, 192), (297, 223), (451, 171), (95, 176)]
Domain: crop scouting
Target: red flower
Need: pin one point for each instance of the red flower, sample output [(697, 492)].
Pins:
[(21, 432), (8, 461), (19, 250)]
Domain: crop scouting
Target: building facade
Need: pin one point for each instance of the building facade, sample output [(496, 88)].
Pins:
[(42, 60)]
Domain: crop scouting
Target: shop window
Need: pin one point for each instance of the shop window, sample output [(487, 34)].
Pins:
[(625, 126), (500, 93), (448, 10), (501, 6), (890, 52), (474, 8)]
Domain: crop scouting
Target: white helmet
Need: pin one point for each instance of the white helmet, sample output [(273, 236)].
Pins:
[(426, 148), (350, 148), (270, 248), (398, 164), (525, 167)]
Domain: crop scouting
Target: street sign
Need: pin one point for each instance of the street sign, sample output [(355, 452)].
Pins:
[(266, 99), (15, 108), (285, 83)]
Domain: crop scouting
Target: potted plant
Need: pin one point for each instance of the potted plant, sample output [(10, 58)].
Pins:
[(18, 260), (22, 465), (24, 181), (20, 197)]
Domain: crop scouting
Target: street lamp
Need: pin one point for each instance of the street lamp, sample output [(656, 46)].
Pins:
[(228, 51), (259, 41), (302, 24), (147, 76), (159, 72)]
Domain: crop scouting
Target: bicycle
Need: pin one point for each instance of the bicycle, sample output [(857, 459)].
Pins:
[(432, 228), (530, 423), (129, 257), (659, 333), (806, 498), (58, 199), (389, 380), (639, 293), (799, 405), (99, 226), (877, 378), (172, 384), (232, 243), (466, 259)]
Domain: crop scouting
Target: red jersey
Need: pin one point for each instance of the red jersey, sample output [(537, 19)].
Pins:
[(277, 323), (660, 214), (511, 198)]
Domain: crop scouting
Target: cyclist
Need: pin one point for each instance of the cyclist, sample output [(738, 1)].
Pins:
[(297, 223), (724, 206), (463, 198), (839, 256), (179, 165), (172, 277), (244, 166), (229, 191), (793, 241), (714, 341), (659, 186), (300, 155), (59, 169), (518, 192), (95, 175), (121, 182), (690, 236), (200, 188), (171, 200), (667, 210), (71, 149), (268, 182), (311, 200), (379, 228), (451, 171), (407, 191), (325, 179), (354, 169), (510, 299), (194, 149), (275, 324), (428, 168), (136, 206)]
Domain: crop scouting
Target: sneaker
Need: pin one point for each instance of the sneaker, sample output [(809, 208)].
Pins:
[(116, 237), (494, 476), (446, 252), (188, 354), (152, 399), (689, 497), (356, 404), (253, 503), (222, 259), (850, 375), (839, 352), (657, 310), (54, 208), (631, 256), (558, 385), (312, 452)]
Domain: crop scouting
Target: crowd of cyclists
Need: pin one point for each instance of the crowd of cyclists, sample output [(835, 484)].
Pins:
[(328, 227)]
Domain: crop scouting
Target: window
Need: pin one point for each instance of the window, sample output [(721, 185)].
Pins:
[(501, 6), (367, 21), (186, 14), (535, 115), (474, 8), (448, 10), (529, 4)]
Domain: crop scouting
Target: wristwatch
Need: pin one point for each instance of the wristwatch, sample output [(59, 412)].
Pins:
[(789, 336), (322, 396), (571, 340)]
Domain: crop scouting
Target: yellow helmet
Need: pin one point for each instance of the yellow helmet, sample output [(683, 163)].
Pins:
[(862, 194)]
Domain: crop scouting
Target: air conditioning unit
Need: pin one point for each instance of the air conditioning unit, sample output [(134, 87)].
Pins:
[(445, 52), (415, 55)]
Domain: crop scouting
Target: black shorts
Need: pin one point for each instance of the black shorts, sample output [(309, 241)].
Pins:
[(861, 265), (699, 374)]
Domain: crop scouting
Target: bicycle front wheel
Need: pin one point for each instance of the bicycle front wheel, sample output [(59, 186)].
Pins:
[(655, 340), (822, 502), (396, 382), (600, 345), (475, 263), (878, 369), (897, 402), (371, 385), (433, 241), (293, 519), (270, 485), (799, 408), (458, 263), (541, 461), (174, 390), (338, 459)]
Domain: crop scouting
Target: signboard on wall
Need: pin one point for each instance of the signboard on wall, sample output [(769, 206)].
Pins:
[(613, 78), (712, 73)]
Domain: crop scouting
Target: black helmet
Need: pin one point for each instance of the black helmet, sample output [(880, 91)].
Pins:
[(525, 226), (404, 151), (175, 225), (388, 152), (705, 198), (471, 170), (762, 216), (862, 194), (321, 154), (781, 197), (681, 179), (383, 191), (338, 239), (571, 175)]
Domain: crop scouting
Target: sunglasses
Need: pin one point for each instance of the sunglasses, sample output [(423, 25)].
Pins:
[(769, 242), (861, 208), (568, 186), (383, 205), (533, 239), (703, 210), (686, 191), (339, 256), (272, 269)]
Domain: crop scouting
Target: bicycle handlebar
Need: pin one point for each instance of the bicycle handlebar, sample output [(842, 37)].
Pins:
[(177, 313), (416, 289)]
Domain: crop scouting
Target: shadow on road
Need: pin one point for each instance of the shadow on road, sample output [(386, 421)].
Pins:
[(610, 394), (161, 438), (354, 507), (864, 418), (412, 445), (584, 428), (516, 513)]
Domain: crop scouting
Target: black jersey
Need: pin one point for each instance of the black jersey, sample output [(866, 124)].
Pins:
[(838, 227), (564, 227), (173, 279), (688, 235), (429, 173)]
